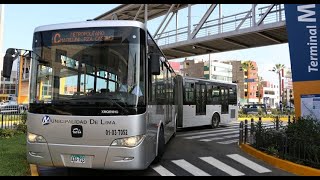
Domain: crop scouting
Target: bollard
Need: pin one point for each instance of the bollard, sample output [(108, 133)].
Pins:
[(289, 119), (1, 121), (260, 119), (245, 131), (293, 119), (277, 122), (241, 133), (252, 127)]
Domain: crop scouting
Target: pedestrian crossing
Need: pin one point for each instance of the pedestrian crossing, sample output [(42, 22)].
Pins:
[(226, 135), (213, 163)]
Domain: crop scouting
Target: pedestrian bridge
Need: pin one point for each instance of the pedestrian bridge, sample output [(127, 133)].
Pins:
[(253, 28)]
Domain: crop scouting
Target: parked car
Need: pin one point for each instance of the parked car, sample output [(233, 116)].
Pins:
[(254, 109)]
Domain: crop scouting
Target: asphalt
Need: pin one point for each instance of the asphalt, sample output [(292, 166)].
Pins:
[(184, 157)]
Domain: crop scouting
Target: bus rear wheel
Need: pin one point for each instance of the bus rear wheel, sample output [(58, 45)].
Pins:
[(215, 120)]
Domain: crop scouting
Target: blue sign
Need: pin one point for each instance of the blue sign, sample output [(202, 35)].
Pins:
[(248, 80), (303, 23)]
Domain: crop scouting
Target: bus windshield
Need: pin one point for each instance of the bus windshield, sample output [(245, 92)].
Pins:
[(88, 71)]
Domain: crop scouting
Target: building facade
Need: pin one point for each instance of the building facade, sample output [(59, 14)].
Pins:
[(192, 68), (8, 87), (270, 94), (219, 71), (176, 66), (1, 35), (288, 98), (247, 80)]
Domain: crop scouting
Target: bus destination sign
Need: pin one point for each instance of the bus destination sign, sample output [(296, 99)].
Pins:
[(81, 36)]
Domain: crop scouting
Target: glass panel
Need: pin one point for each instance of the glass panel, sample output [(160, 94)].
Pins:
[(89, 66)]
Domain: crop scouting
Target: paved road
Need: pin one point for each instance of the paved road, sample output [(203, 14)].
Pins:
[(194, 152)]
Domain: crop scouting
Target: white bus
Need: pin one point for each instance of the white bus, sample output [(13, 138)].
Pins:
[(205, 102), (94, 102)]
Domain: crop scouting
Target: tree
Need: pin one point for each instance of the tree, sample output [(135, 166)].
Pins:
[(259, 81), (277, 69), (246, 66)]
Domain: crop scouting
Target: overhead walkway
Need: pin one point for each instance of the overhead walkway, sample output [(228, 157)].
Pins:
[(253, 28)]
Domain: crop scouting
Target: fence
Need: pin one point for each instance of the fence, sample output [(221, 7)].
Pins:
[(12, 116), (277, 142)]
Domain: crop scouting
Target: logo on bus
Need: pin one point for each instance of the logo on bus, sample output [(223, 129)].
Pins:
[(109, 111), (46, 120), (76, 131)]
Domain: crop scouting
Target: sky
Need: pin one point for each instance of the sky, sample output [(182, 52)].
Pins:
[(20, 20)]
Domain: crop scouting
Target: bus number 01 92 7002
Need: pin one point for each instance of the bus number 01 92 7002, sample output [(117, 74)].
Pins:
[(119, 132)]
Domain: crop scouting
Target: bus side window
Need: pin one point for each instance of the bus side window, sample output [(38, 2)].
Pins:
[(189, 94), (216, 95), (209, 94)]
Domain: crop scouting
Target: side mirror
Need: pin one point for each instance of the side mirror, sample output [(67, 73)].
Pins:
[(8, 61), (155, 64)]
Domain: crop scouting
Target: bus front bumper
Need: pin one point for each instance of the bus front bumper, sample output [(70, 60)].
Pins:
[(86, 156)]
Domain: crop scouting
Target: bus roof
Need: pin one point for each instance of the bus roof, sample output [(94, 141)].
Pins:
[(207, 80), (88, 24)]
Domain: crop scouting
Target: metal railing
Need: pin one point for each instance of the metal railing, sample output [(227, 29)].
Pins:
[(222, 25), (11, 116), (276, 142)]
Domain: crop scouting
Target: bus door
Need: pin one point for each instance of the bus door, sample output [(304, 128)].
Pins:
[(224, 100), (201, 99), (169, 94)]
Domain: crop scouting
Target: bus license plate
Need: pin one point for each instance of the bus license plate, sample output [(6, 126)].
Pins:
[(78, 159)]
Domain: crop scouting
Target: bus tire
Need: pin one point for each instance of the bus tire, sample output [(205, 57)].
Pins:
[(215, 120), (161, 146)]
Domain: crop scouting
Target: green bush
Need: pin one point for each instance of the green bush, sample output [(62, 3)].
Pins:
[(298, 142), (21, 128), (7, 133), (305, 128)]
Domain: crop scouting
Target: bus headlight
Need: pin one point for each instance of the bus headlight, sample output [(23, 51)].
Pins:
[(33, 138), (128, 141)]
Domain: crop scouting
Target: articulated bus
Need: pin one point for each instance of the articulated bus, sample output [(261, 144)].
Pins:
[(205, 102), (94, 99)]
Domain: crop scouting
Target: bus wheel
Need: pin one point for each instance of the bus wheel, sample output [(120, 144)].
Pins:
[(161, 145), (215, 120)]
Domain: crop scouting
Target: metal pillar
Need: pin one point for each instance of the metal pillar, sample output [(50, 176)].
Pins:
[(176, 26), (146, 15), (253, 10), (220, 16), (189, 20)]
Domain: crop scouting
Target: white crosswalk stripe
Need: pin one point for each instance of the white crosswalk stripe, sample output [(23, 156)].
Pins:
[(211, 135), (162, 171), (222, 166), (219, 138), (229, 141), (190, 168), (227, 168), (250, 164), (205, 132), (229, 133)]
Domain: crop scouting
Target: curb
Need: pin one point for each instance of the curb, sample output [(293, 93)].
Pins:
[(280, 163), (34, 170), (263, 119)]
